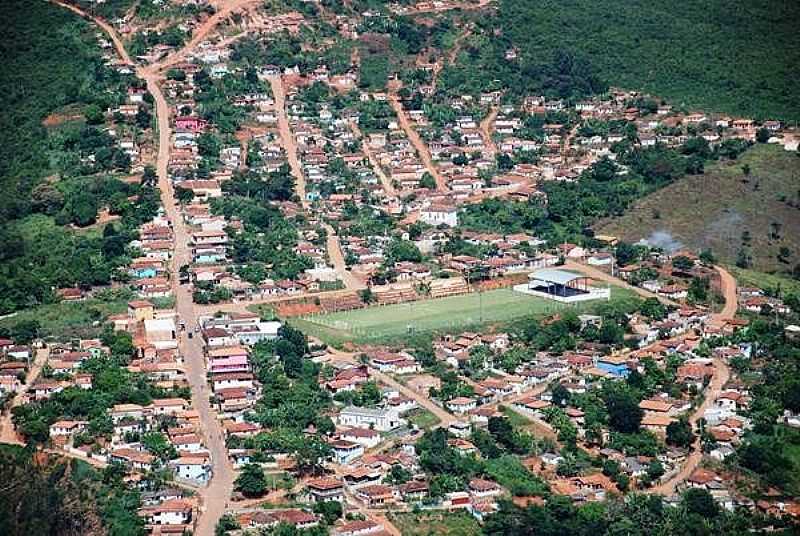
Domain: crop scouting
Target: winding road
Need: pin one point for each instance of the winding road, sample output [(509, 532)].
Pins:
[(722, 374), (7, 432)]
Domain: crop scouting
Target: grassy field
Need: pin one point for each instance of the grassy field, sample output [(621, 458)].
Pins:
[(438, 523), (66, 320), (752, 278), (444, 314), (516, 419), (423, 418), (714, 209), (731, 56)]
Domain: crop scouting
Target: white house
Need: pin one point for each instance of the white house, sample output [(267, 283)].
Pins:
[(439, 214), (362, 436), (382, 420), (193, 468), (172, 512)]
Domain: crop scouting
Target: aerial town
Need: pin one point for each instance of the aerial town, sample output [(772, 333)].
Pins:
[(328, 305)]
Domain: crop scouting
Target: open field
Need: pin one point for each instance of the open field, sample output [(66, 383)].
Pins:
[(65, 320), (445, 314), (438, 523), (713, 210), (423, 418), (752, 278)]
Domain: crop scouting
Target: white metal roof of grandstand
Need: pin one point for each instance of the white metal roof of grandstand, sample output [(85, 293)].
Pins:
[(553, 275)]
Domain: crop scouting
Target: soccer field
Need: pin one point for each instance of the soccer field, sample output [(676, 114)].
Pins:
[(443, 314)]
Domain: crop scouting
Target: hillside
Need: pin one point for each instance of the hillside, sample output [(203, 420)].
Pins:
[(732, 56), (716, 208), (43, 494)]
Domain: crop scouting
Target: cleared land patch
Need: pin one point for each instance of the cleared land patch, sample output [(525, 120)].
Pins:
[(714, 210)]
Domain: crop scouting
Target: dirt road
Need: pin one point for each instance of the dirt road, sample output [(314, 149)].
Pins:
[(728, 287), (7, 432), (416, 141), (217, 493), (721, 377), (106, 27), (722, 374), (225, 10), (386, 182), (287, 139), (599, 275), (336, 255), (486, 127), (446, 418)]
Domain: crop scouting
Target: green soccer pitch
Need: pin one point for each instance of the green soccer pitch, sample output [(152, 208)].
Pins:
[(384, 322)]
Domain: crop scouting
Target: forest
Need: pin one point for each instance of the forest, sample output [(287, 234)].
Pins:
[(735, 57), (58, 167)]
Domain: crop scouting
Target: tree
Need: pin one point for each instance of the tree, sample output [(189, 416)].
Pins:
[(698, 289), (149, 177), (427, 181), (158, 445), (47, 199), (699, 501), (560, 395), (81, 208), (762, 135), (682, 263), (184, 195), (329, 510), (707, 257), (366, 295), (226, 523), (624, 413), (402, 250), (25, 331), (251, 481), (655, 470), (93, 115), (653, 308), (208, 145), (626, 253), (679, 433)]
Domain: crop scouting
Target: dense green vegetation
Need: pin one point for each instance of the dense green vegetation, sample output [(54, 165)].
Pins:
[(65, 320), (42, 495), (737, 57), (697, 514), (438, 522), (54, 66), (292, 400), (51, 60), (267, 242), (450, 470)]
